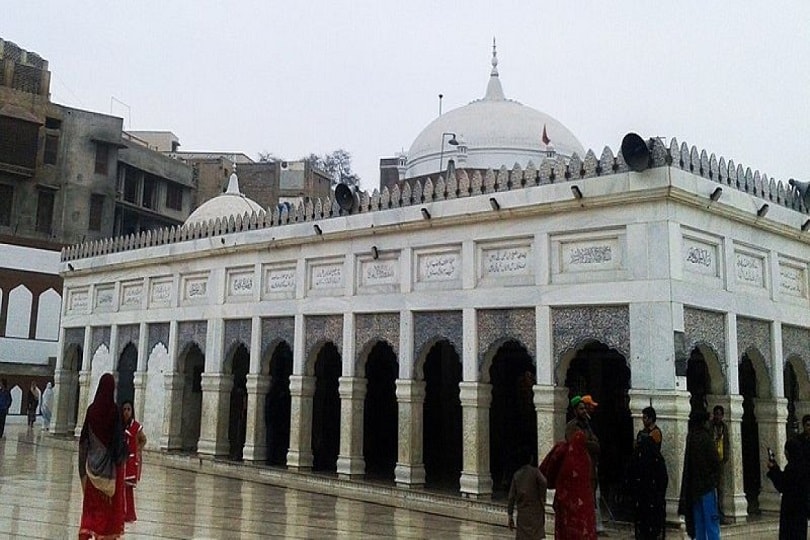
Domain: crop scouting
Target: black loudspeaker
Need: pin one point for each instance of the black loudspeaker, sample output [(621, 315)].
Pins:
[(803, 189), (636, 152), (344, 197)]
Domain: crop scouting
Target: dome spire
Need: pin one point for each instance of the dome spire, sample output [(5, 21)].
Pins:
[(233, 183), (494, 89)]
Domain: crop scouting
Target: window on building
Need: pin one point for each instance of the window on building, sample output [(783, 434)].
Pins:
[(102, 158), (18, 143), (51, 149), (174, 196), (149, 191), (53, 123), (96, 212), (131, 186), (6, 201), (45, 200)]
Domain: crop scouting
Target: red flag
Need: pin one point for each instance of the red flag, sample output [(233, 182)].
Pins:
[(546, 140)]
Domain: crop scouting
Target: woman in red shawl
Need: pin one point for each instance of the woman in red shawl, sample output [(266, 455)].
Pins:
[(135, 441), (102, 436), (574, 513)]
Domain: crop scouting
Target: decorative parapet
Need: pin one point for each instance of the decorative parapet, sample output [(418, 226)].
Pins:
[(460, 185)]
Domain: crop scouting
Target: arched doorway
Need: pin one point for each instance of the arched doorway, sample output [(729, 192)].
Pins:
[(73, 363), (127, 364), (512, 419), (237, 416), (749, 434), (698, 381), (791, 382), (442, 418), (381, 413), (603, 373), (192, 365), (277, 405), (326, 410)]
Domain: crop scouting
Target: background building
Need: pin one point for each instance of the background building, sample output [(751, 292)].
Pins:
[(66, 176)]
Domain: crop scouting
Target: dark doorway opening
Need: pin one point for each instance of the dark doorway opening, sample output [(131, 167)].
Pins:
[(326, 410), (512, 418), (73, 363), (749, 433), (277, 405), (127, 364), (792, 394), (603, 373), (193, 365), (698, 381), (442, 418), (237, 417), (381, 413)]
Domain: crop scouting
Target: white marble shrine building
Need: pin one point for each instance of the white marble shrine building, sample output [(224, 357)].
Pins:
[(422, 335)]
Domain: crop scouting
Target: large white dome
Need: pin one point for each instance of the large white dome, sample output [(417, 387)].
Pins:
[(496, 131), (230, 203)]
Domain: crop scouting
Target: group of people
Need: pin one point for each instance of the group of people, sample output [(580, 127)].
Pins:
[(110, 457), (571, 468), (35, 400)]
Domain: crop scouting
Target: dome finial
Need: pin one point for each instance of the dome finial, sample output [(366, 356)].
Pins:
[(233, 184), (494, 72), (494, 89)]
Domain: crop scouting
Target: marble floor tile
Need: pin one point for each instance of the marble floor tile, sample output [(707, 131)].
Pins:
[(40, 497)]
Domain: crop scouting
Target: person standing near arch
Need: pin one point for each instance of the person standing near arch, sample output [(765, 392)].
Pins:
[(5, 405), (135, 441), (721, 443)]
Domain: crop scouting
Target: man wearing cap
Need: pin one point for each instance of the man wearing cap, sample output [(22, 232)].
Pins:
[(583, 406)]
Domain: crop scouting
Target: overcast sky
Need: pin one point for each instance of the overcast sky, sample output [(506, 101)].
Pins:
[(300, 77)]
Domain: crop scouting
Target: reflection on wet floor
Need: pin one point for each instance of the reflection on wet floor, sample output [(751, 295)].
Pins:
[(40, 497)]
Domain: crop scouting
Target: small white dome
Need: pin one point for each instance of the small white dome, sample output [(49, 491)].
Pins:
[(497, 131), (224, 205)]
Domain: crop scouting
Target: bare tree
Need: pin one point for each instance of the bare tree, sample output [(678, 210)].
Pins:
[(337, 164), (264, 157)]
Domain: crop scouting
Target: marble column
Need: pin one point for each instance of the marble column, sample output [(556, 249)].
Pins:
[(771, 418), (734, 504), (350, 462), (672, 410), (139, 382), (299, 456), (545, 405), (256, 435), (64, 387), (171, 433), (476, 480), (84, 400), (216, 389), (410, 469)]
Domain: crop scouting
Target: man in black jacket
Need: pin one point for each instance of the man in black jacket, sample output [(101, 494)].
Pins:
[(701, 469)]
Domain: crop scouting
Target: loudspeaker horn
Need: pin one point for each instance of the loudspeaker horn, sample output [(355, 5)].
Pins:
[(803, 188), (636, 152), (344, 197)]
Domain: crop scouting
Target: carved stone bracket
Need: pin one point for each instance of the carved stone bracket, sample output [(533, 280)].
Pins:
[(127, 334), (572, 326), (796, 342), (191, 332), (703, 327), (321, 328), (100, 336), (430, 327), (275, 330), (158, 333), (375, 327), (755, 334), (498, 325), (237, 331)]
